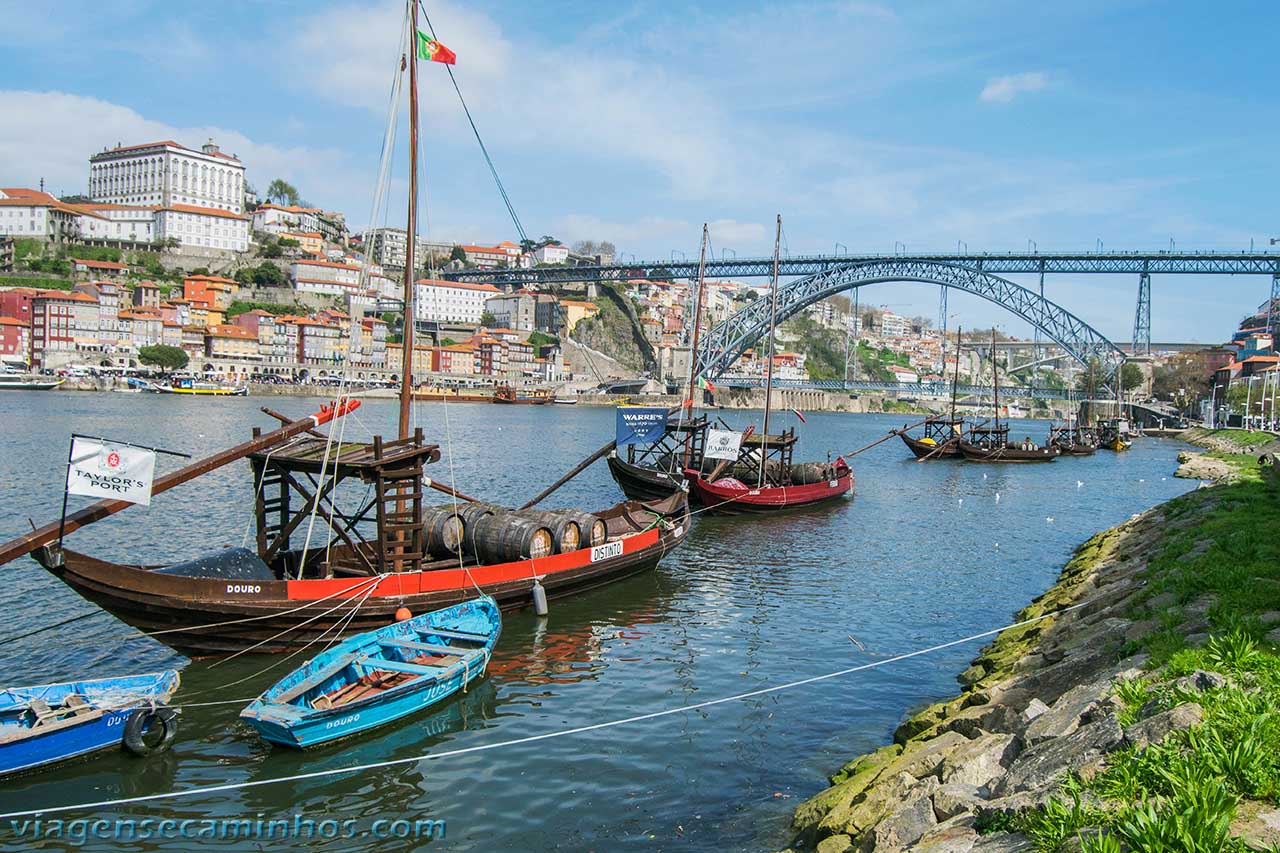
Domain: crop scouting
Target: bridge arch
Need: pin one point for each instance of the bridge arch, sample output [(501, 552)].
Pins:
[(725, 343)]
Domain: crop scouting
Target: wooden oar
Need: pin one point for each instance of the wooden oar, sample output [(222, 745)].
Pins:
[(42, 536), (892, 434), (582, 466)]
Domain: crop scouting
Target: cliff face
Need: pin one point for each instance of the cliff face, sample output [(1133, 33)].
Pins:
[(615, 331), (1123, 718)]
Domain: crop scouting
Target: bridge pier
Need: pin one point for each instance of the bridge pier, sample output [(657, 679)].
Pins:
[(1142, 317)]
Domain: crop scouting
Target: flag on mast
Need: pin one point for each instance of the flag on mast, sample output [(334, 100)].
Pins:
[(105, 469), (429, 48), (705, 384)]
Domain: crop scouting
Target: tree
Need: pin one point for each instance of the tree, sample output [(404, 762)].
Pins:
[(457, 253), (166, 358), (271, 249), (487, 319), (1182, 378), (268, 275), (1131, 377), (282, 192)]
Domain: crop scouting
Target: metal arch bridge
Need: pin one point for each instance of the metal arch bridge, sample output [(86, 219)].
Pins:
[(941, 390), (1135, 263), (1142, 264), (726, 342)]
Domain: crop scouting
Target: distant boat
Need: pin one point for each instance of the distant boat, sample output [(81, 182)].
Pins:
[(375, 678), (449, 395), (27, 382), (49, 723), (565, 401), (209, 389), (510, 396)]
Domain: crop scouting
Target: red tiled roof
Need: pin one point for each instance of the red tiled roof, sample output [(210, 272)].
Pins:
[(461, 285), (205, 211), (13, 321), (100, 265), (327, 264)]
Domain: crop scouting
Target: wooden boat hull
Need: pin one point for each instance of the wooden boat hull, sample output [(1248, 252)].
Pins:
[(29, 386), (723, 499), (203, 617), (302, 722), (973, 453), (83, 733), (644, 484), (1077, 450), (925, 450)]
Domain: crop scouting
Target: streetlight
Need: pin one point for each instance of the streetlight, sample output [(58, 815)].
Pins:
[(722, 251), (959, 243), (1032, 246), (841, 248), (896, 244), (1099, 244)]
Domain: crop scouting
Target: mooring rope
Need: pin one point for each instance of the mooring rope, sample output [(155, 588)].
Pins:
[(485, 747)]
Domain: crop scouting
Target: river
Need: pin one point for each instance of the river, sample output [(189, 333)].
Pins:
[(922, 554)]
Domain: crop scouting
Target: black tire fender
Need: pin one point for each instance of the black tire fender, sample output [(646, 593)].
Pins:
[(140, 725)]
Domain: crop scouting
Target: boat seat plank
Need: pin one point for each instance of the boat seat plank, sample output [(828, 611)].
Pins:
[(425, 647), (455, 635), (399, 666), (316, 680)]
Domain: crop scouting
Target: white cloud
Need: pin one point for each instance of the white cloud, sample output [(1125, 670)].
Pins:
[(51, 135), (1002, 90)]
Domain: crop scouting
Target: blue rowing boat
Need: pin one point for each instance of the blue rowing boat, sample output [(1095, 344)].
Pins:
[(380, 676), (48, 723)]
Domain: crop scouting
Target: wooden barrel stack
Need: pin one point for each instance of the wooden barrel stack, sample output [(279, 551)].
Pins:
[(494, 534)]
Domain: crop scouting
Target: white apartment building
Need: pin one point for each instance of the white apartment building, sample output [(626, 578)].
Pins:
[(203, 227), (326, 277), (31, 213), (893, 325), (450, 301), (551, 254), (387, 247), (165, 174)]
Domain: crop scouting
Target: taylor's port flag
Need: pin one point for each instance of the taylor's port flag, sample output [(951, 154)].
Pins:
[(102, 469), (429, 48)]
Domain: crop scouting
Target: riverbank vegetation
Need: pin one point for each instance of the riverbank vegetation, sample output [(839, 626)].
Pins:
[(1141, 712)]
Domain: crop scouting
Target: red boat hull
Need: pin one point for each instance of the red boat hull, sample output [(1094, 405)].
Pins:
[(740, 499)]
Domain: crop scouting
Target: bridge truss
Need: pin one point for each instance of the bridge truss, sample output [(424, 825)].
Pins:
[(725, 343)]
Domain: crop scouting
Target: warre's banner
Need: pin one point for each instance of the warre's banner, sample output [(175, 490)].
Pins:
[(722, 444), (640, 424), (100, 469)]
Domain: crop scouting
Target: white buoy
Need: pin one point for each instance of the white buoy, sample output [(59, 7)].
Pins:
[(961, 503), (1079, 484), (539, 599), (984, 476), (997, 497), (1049, 518)]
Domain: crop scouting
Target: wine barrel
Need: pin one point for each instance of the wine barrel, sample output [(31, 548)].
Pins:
[(505, 538), (470, 514), (443, 530), (806, 473), (594, 530), (566, 535)]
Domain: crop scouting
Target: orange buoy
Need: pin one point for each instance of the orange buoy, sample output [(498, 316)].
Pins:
[(403, 614)]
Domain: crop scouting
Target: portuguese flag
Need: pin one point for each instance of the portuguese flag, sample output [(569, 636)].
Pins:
[(705, 385), (429, 48)]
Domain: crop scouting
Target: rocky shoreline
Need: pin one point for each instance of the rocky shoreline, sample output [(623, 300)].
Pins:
[(1048, 706)]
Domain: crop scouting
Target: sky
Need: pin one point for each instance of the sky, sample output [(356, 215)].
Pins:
[(991, 126)]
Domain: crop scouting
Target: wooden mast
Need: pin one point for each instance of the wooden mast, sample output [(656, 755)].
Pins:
[(955, 377), (768, 380), (995, 380), (693, 349), (411, 232)]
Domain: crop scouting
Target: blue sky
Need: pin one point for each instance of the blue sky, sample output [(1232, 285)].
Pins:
[(994, 123)]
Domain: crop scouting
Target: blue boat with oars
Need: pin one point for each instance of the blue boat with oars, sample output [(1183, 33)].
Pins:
[(379, 676), (48, 723)]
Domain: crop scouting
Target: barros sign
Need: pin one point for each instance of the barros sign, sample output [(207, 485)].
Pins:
[(100, 469), (722, 444)]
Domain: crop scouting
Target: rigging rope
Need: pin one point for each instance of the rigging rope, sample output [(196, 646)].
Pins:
[(493, 170), (485, 747)]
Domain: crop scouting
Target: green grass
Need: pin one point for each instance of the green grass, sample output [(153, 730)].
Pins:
[(1181, 794), (46, 283)]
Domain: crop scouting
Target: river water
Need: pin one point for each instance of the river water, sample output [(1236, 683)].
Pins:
[(922, 554)]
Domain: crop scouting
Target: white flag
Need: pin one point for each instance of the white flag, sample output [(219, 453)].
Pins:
[(722, 444), (101, 469)]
